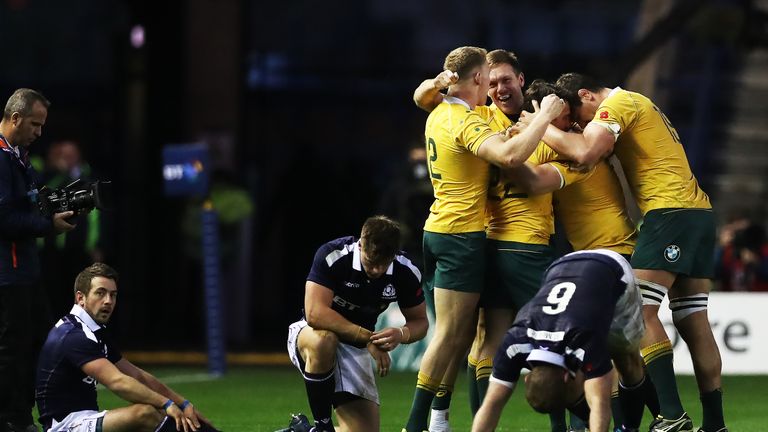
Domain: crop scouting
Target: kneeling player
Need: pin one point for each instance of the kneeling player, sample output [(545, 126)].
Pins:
[(351, 282), (587, 312), (78, 354)]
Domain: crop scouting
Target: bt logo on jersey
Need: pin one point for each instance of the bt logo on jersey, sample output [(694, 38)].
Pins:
[(345, 304)]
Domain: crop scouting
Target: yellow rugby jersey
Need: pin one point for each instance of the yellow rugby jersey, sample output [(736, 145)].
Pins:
[(593, 214), (514, 215), (650, 152), (495, 117), (459, 177)]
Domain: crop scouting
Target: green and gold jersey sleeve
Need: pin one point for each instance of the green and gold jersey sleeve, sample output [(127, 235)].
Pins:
[(459, 177), (650, 152)]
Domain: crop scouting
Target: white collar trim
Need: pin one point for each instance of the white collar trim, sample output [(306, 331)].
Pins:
[(614, 91), (455, 100), (546, 357), (83, 316)]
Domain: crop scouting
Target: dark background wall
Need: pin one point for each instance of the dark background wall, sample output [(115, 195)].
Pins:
[(306, 105)]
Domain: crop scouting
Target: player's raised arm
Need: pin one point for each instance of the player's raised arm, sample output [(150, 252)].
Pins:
[(537, 179), (427, 95), (515, 151), (588, 148)]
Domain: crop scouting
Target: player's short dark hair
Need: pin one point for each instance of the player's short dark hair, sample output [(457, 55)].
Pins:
[(536, 92), (500, 56), (545, 389), (569, 84), (381, 238), (84, 278), (464, 59), (22, 100)]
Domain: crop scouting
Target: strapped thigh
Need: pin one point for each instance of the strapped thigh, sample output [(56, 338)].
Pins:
[(681, 307), (653, 293)]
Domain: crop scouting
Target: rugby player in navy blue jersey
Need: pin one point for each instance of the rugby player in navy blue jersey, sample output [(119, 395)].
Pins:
[(587, 313), (350, 283), (78, 353)]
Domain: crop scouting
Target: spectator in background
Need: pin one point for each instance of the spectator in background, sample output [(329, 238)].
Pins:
[(741, 258), (63, 255), (24, 316), (408, 198)]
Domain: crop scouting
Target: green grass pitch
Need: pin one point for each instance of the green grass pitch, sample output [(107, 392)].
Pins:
[(259, 399)]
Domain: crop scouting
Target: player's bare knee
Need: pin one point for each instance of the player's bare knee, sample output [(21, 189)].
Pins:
[(146, 416), (322, 344)]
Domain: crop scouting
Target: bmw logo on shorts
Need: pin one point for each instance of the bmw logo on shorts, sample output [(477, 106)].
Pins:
[(672, 253)]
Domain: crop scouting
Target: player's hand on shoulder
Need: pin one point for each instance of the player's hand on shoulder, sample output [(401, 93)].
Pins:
[(381, 357)]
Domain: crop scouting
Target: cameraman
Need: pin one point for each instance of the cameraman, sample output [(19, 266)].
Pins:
[(24, 317)]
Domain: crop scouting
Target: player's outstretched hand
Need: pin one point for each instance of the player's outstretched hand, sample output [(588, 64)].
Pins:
[(387, 339), (383, 361), (445, 79)]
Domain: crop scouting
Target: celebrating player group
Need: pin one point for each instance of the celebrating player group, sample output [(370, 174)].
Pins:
[(585, 325)]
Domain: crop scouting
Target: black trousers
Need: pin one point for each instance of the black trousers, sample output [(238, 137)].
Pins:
[(24, 324)]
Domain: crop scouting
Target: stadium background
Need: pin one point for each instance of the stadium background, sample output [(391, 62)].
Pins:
[(307, 109)]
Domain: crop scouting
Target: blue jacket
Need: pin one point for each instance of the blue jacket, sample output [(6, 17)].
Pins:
[(20, 220)]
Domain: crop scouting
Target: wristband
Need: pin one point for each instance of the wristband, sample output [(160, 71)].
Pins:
[(185, 404), (167, 404)]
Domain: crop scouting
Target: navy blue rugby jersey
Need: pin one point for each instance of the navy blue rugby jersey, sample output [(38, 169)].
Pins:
[(61, 386), (356, 297), (568, 321)]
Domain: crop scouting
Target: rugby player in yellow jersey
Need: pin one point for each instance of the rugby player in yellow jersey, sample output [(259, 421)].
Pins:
[(676, 241), (594, 216), (461, 145), (505, 90)]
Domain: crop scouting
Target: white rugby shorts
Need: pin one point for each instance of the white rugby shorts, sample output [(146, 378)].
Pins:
[(78, 421), (354, 370), (627, 327)]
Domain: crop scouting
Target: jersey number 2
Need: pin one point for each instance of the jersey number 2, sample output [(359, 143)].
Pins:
[(432, 157), (559, 297)]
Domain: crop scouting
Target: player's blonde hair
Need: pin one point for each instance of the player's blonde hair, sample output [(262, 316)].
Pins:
[(464, 60)]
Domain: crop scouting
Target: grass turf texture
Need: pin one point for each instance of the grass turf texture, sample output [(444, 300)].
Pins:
[(260, 399)]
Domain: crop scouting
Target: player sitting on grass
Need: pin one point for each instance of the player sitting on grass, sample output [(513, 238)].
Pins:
[(78, 354)]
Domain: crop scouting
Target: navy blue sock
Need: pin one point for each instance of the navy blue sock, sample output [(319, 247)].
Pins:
[(320, 387)]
